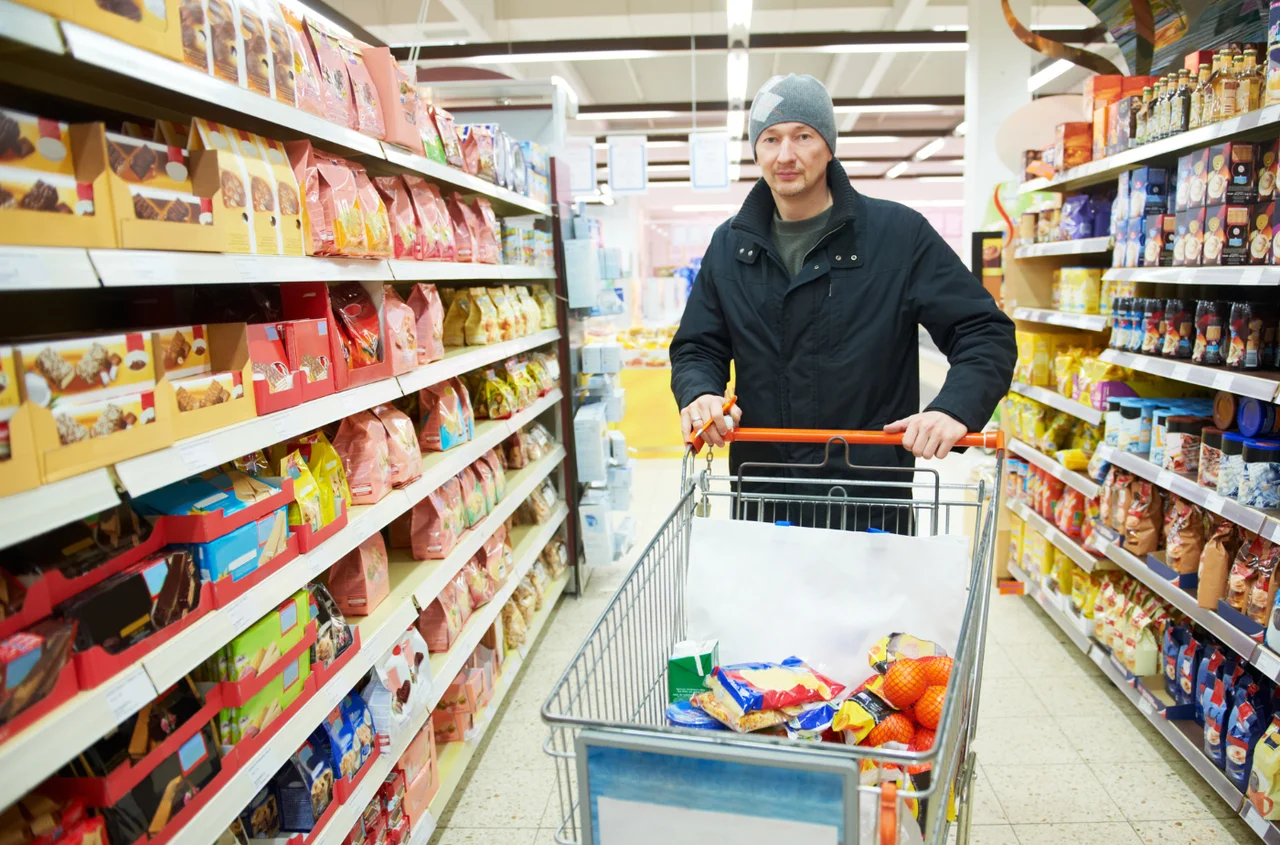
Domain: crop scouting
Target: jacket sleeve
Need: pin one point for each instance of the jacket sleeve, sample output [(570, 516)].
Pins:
[(701, 349), (967, 326)]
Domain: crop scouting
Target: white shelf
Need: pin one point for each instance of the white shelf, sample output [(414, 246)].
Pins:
[(27, 26), (1069, 477), (140, 267), (1251, 276), (1107, 168), (33, 512), (1257, 386), (44, 267), (1081, 246), (1078, 553), (466, 358), (463, 181), (1056, 400), (1088, 322)]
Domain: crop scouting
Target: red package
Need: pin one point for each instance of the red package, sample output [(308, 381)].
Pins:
[(377, 226), (402, 444), (306, 90), (464, 227), (448, 240), (402, 332), (335, 83), (487, 248), (444, 423), (359, 581), (481, 138), (499, 473), (431, 242), (472, 496), (493, 557), (470, 145), (431, 535), (1069, 515), (478, 583), (485, 476), (404, 227), (364, 94), (464, 401), (428, 310), (441, 621), (362, 443), (448, 136), (358, 324), (463, 594)]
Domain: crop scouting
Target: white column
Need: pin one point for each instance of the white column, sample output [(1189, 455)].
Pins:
[(997, 68)]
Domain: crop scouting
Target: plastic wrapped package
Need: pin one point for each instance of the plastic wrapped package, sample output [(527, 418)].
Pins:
[(435, 230), (334, 79), (465, 228), (441, 621), (485, 476), (547, 304), (362, 443), (487, 248), (429, 327), (514, 450), (431, 143), (359, 581), (339, 228), (556, 557), (431, 534), (532, 312), (402, 444), (490, 458), (306, 75), (478, 583), (359, 324), (462, 592), (402, 332), (1184, 536), (526, 599), (494, 398), (472, 497), (368, 109), (541, 502), (505, 314), (444, 424), (514, 629), (400, 214), (493, 557), (539, 442), (482, 321), (457, 313), (377, 226)]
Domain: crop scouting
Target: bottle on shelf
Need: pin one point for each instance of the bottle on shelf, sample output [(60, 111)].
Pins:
[(1224, 85), (1249, 92), (1206, 94), (1180, 104), (1144, 108), (1161, 96), (1166, 114), (1195, 116)]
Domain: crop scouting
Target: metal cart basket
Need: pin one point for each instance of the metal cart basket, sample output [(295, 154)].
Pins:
[(614, 752)]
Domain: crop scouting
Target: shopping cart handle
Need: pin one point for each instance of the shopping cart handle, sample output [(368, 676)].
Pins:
[(981, 439)]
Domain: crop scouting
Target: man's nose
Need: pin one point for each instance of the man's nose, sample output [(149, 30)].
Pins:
[(787, 152)]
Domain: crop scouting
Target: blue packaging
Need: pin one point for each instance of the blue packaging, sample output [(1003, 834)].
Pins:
[(228, 492), (1231, 467), (1256, 418), (1248, 721), (1148, 191), (1216, 703), (242, 550), (1076, 219), (305, 784), (1176, 638), (1188, 662), (1209, 668), (1101, 208), (357, 714), (682, 714)]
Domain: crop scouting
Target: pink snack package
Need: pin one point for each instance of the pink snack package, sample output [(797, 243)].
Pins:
[(441, 621), (402, 332), (335, 82), (463, 594), (306, 75), (364, 93), (493, 557), (499, 474), (464, 399), (404, 227), (430, 243), (431, 532), (448, 136), (478, 583), (402, 444), (359, 581), (464, 231), (362, 443), (485, 476), (448, 242), (487, 248), (444, 422), (424, 299)]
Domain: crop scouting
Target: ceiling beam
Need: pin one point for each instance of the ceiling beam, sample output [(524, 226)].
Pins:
[(906, 13)]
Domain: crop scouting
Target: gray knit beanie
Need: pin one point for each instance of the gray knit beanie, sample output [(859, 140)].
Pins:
[(792, 98)]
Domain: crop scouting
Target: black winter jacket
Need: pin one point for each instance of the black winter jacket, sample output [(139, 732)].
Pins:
[(836, 347)]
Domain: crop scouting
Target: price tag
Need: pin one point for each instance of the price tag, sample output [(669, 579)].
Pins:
[(1267, 661), (1145, 705), (1222, 381), (248, 267), (262, 768), (1164, 479), (1214, 502), (283, 426), (243, 612), (127, 695), (1180, 372), (198, 455), (1097, 655), (1251, 276), (354, 403), (1256, 822)]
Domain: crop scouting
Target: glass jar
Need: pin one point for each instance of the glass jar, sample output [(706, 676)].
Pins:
[(1231, 466)]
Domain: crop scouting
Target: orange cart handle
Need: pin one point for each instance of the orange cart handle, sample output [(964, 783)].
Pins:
[(982, 439)]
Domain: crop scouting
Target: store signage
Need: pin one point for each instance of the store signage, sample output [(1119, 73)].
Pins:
[(709, 161), (580, 156), (628, 164)]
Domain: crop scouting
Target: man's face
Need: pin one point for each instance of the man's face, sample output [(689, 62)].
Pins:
[(793, 158)]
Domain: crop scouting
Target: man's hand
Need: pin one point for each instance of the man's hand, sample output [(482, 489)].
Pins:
[(709, 407), (930, 434)]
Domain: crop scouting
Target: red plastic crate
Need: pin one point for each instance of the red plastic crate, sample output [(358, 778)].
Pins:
[(226, 591), (201, 528), (238, 693)]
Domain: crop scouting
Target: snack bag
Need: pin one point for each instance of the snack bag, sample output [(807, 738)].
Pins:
[(428, 311), (305, 507), (1262, 595), (1188, 662), (431, 531), (1184, 536), (362, 443), (464, 402), (326, 468), (1143, 520), (749, 687), (404, 225), (1245, 570), (506, 315), (335, 82), (472, 497), (546, 302), (339, 227), (862, 711), (359, 324), (742, 722), (485, 476), (499, 474), (402, 444), (462, 594), (532, 313), (441, 621), (443, 423), (402, 332), (464, 228), (494, 397), (521, 319), (478, 583), (482, 319), (1245, 727), (487, 248), (431, 144), (1264, 779), (377, 227), (364, 94), (1215, 561), (446, 229), (1210, 668), (448, 137), (359, 581), (470, 147), (515, 452)]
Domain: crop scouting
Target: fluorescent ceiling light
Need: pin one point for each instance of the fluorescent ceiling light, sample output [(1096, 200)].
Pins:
[(628, 115), (929, 149), (1044, 77), (735, 123), (904, 108), (930, 47), (736, 75), (963, 128), (570, 56), (706, 207), (738, 13), (897, 170)]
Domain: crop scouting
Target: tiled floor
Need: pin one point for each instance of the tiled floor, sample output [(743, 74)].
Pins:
[(1064, 759)]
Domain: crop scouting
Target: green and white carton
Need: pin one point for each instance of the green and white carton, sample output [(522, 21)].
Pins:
[(688, 668)]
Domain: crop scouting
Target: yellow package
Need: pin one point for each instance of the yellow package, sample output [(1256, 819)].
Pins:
[(504, 314), (1067, 572), (546, 303), (1034, 550), (482, 322), (305, 507), (1056, 289), (330, 476), (896, 647), (1082, 584), (1016, 529), (526, 389), (529, 305), (1264, 780), (521, 325), (1066, 364), (1034, 418), (1057, 433), (1073, 459), (1081, 289), (495, 396), (455, 319)]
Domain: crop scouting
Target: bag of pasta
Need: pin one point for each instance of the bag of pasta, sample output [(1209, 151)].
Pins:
[(453, 332), (482, 322), (546, 303)]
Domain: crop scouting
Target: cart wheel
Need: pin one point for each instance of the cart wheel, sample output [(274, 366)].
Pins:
[(888, 814)]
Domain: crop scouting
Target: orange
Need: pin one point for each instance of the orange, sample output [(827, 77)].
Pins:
[(928, 710), (937, 670), (896, 727), (922, 741), (904, 683)]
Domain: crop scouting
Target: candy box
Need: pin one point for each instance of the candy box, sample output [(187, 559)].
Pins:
[(208, 505), (397, 97), (86, 369), (450, 727), (1158, 248), (344, 749), (129, 743), (1238, 233), (1215, 236), (305, 786), (1266, 168), (689, 666), (1148, 191), (1198, 181), (182, 351), (357, 714), (247, 721), (278, 223), (256, 649), (31, 663), (418, 755), (1242, 176), (359, 357), (1133, 243), (244, 550), (164, 793), (1260, 229), (419, 791), (242, 200), (260, 819), (1218, 174), (276, 384), (1182, 191), (307, 350)]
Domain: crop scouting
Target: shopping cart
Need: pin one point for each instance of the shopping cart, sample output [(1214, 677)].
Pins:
[(606, 713)]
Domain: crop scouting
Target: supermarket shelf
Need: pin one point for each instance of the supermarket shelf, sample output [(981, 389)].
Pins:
[(1106, 169), (141, 267), (1081, 246), (464, 359), (456, 756), (463, 181), (1058, 401), (1069, 477), (1088, 322), (1258, 386), (1251, 276), (44, 267), (27, 26), (32, 512), (1050, 604), (1078, 553)]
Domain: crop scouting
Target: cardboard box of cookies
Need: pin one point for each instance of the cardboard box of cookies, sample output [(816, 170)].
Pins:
[(211, 392), (316, 301), (276, 384), (307, 347), (152, 25), (19, 466)]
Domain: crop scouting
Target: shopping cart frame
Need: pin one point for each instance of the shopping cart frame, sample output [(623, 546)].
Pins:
[(601, 699)]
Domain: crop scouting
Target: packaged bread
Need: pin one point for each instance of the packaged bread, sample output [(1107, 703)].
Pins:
[(402, 332), (482, 322), (429, 313), (362, 443)]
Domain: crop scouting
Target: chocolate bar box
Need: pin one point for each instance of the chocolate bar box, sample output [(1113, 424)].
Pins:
[(132, 605)]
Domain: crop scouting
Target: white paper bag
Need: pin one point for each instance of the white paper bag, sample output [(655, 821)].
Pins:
[(767, 592)]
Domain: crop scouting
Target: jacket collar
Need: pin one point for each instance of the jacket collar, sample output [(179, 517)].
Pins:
[(756, 215)]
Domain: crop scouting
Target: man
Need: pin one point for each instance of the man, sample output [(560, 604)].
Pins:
[(815, 293)]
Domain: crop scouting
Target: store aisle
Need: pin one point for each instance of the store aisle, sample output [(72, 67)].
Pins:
[(1064, 759)]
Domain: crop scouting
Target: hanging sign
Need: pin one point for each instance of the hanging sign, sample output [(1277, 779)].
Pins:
[(709, 161), (628, 164), (580, 156)]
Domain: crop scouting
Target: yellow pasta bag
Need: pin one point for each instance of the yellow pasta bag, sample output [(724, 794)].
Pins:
[(482, 322), (305, 507), (455, 319)]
